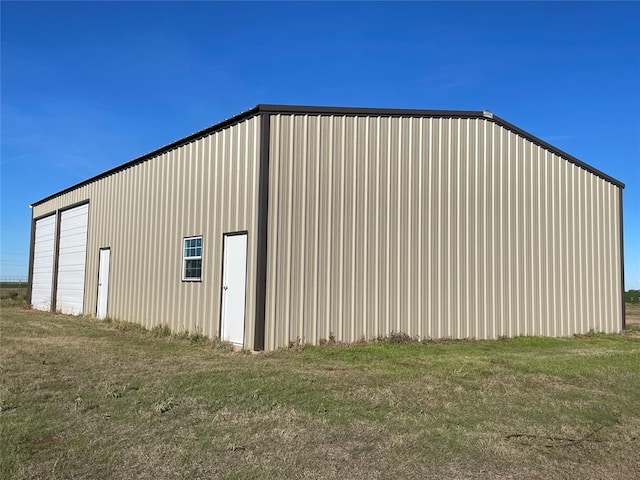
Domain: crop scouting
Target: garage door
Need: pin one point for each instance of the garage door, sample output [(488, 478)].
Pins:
[(72, 259), (42, 275)]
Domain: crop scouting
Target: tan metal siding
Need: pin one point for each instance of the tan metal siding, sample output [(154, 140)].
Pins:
[(206, 187), (437, 227)]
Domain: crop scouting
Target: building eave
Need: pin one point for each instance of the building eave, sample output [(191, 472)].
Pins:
[(347, 111), (159, 151)]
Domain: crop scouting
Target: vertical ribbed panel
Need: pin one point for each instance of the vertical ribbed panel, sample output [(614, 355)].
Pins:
[(206, 187), (436, 227)]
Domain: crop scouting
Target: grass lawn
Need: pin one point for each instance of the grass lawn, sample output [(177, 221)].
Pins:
[(82, 398)]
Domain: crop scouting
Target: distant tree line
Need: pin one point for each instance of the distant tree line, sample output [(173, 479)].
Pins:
[(632, 296)]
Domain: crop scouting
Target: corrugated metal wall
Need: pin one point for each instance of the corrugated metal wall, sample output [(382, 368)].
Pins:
[(436, 227), (206, 187)]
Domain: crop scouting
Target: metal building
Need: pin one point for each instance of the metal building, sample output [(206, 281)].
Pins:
[(290, 223)]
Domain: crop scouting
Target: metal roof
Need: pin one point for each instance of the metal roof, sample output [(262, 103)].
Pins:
[(348, 111)]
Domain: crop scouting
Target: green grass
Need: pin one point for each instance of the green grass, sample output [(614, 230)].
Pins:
[(82, 398)]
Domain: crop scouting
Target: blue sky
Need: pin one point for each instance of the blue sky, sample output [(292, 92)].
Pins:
[(87, 86)]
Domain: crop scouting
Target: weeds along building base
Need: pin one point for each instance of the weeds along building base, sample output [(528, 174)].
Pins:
[(289, 223)]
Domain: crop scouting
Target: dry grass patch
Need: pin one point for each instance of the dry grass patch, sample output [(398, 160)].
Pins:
[(13, 294), (633, 315), (82, 398)]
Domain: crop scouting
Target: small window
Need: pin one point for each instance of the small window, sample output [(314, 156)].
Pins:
[(192, 259)]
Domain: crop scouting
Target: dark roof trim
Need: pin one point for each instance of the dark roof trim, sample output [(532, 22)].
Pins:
[(557, 151), (310, 110), (194, 136), (391, 112), (315, 110)]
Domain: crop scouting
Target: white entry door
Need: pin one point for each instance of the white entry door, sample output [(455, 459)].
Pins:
[(103, 282), (234, 285)]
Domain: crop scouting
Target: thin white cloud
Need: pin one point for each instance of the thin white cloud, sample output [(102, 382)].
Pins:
[(15, 158)]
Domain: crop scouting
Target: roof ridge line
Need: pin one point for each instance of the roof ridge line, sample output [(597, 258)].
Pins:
[(268, 108)]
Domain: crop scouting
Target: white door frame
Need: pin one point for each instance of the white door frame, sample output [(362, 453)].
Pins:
[(234, 287), (104, 267)]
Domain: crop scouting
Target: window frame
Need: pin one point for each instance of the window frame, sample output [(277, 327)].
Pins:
[(186, 258)]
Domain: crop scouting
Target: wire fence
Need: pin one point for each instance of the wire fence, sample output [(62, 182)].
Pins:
[(14, 279)]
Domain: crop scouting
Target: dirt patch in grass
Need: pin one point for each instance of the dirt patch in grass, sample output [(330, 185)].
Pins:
[(633, 315), (81, 398)]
